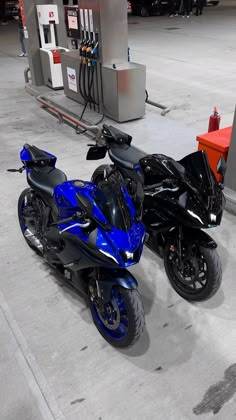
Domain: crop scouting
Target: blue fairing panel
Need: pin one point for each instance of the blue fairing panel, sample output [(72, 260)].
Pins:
[(111, 243)]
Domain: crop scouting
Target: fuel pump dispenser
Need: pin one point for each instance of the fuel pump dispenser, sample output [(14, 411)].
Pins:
[(99, 73), (49, 52)]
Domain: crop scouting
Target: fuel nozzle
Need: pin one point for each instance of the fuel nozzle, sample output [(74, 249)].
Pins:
[(94, 53), (89, 52), (81, 47), (83, 51)]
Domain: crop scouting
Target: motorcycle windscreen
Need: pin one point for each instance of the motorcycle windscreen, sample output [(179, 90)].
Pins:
[(111, 201), (199, 172)]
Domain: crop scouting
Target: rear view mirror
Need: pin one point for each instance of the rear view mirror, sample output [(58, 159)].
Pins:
[(87, 207), (221, 167), (96, 153)]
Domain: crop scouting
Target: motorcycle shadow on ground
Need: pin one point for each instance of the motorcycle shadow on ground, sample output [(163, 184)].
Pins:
[(170, 336), (172, 340)]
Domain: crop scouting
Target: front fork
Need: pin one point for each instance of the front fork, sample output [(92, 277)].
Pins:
[(193, 238), (179, 245)]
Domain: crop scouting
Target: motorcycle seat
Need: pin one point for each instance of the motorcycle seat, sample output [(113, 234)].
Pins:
[(44, 180), (37, 154), (126, 156)]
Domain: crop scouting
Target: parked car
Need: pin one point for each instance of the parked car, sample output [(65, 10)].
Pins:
[(212, 2), (146, 8), (11, 9)]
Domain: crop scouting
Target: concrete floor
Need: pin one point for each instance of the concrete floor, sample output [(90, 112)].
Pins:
[(53, 362), (189, 62)]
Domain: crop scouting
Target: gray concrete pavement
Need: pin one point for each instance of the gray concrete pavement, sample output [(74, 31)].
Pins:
[(189, 62), (53, 362)]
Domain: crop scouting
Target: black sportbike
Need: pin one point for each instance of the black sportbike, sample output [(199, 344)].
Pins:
[(176, 201)]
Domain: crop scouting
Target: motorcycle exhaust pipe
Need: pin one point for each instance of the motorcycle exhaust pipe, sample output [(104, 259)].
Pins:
[(33, 240)]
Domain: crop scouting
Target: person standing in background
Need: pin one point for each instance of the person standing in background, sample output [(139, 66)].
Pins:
[(21, 31), (191, 6), (177, 7), (3, 12), (171, 8), (186, 8), (200, 5)]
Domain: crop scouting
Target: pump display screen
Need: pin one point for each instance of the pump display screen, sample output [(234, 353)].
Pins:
[(73, 22)]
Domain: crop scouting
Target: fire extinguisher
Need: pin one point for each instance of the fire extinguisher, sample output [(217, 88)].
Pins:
[(214, 121)]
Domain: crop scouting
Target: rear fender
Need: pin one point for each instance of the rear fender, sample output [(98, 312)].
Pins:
[(111, 278), (199, 237)]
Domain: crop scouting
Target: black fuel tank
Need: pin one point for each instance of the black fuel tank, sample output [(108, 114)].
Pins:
[(158, 167)]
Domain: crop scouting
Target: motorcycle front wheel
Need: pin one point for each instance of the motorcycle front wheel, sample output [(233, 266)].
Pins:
[(197, 275), (121, 320)]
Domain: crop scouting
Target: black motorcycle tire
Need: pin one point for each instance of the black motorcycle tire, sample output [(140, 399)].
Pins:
[(214, 276), (98, 175), (136, 319), (20, 218)]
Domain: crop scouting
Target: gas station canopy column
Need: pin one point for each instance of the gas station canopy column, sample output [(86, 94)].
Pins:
[(230, 178)]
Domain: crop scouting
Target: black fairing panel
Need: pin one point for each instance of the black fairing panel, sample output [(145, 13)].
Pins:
[(199, 172), (201, 177), (157, 168), (115, 135), (199, 237), (172, 206), (184, 192), (87, 255)]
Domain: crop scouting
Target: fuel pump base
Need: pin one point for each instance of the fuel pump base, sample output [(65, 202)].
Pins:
[(124, 91), (51, 64)]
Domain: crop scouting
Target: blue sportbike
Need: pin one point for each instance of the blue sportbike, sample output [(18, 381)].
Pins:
[(91, 235)]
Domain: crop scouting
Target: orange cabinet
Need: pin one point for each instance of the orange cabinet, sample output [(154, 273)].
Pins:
[(215, 144)]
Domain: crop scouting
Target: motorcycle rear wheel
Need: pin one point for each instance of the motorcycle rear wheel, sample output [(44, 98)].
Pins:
[(203, 277), (120, 321), (99, 173)]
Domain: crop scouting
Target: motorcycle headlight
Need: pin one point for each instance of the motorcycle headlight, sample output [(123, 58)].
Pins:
[(128, 256), (213, 218)]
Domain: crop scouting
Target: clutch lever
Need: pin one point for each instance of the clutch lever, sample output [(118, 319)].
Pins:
[(20, 170)]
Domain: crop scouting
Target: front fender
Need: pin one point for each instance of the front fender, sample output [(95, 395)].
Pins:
[(199, 237), (110, 278)]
